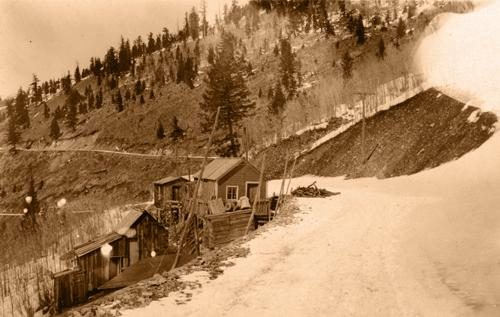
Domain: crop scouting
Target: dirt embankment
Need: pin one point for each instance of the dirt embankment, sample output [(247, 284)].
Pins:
[(277, 154), (85, 179), (420, 133)]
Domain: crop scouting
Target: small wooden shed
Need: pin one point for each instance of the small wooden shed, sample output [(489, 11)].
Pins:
[(169, 189), (230, 179), (135, 237)]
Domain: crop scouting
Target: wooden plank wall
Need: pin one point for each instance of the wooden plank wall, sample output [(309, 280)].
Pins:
[(224, 228), (239, 177), (151, 235)]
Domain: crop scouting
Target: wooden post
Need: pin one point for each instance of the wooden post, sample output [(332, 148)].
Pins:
[(246, 142), (282, 188), (196, 237), (194, 201), (257, 195), (363, 131), (291, 176), (363, 127)]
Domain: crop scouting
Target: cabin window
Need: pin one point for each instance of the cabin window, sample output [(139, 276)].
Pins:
[(231, 192)]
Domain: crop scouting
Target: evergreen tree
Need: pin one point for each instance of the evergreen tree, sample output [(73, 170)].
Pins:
[(37, 90), (46, 110), (99, 99), (211, 55), (71, 116), (351, 23), (177, 133), (324, 19), (235, 14), (180, 70), (401, 29), (288, 68), (21, 110), (204, 22), (160, 131), (77, 75), (124, 56), (66, 83), (138, 87), (71, 104), (13, 135), (82, 108), (91, 100), (197, 53), (165, 39), (347, 64), (381, 49), (151, 94), (111, 65), (141, 100), (186, 31), (189, 73), (227, 89), (55, 131), (260, 93), (342, 7), (278, 102), (360, 31), (119, 101), (194, 24)]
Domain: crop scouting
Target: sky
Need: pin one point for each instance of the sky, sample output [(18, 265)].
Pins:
[(49, 37)]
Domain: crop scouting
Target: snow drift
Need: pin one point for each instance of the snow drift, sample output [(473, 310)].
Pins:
[(462, 56)]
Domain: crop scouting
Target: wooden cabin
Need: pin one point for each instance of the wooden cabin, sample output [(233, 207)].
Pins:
[(168, 190), (135, 237), (230, 179)]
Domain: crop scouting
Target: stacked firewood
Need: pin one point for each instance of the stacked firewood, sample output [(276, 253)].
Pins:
[(312, 191)]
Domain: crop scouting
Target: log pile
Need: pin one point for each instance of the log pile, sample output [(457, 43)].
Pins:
[(312, 191)]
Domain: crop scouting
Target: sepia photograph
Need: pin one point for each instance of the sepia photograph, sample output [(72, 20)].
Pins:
[(249, 158)]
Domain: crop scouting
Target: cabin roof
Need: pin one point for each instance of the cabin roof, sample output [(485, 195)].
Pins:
[(128, 221), (169, 179), (219, 168)]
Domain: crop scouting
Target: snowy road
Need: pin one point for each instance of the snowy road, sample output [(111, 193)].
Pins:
[(423, 245)]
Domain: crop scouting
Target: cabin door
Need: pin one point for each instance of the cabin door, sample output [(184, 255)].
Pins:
[(133, 251), (175, 192), (251, 191), (114, 266)]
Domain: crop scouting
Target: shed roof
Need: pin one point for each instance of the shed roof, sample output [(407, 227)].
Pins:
[(64, 273), (90, 246), (219, 167), (120, 230), (170, 179)]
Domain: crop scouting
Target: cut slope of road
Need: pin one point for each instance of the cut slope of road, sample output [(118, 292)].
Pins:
[(422, 132)]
